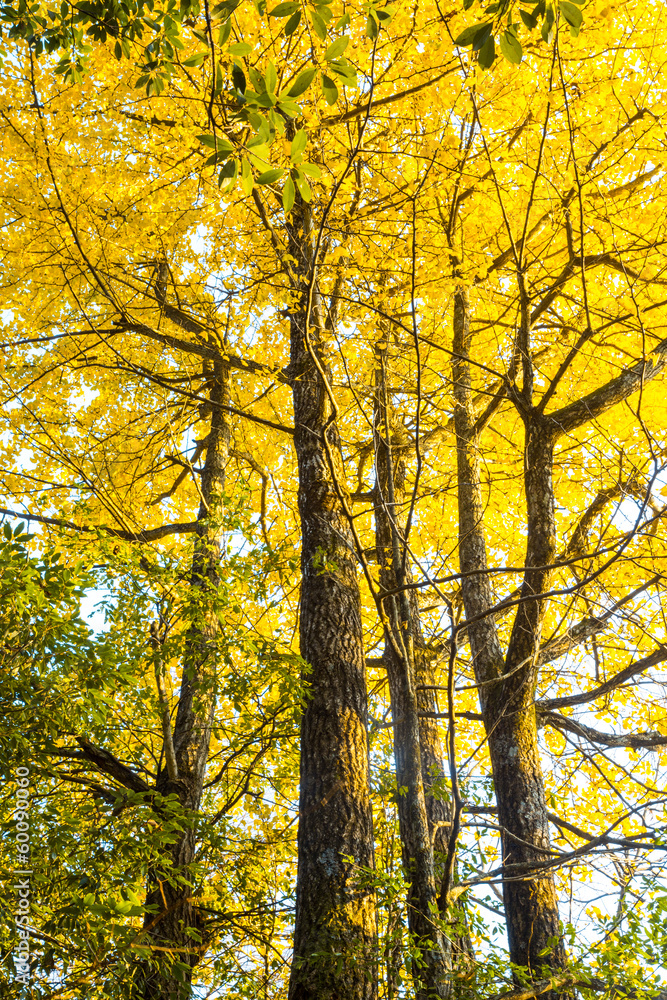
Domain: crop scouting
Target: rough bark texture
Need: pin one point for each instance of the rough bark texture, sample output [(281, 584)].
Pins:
[(414, 772), (507, 684), (439, 811), (170, 888), (335, 935)]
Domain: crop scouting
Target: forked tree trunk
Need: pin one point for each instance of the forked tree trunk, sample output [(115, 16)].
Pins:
[(335, 936), (170, 887), (507, 684)]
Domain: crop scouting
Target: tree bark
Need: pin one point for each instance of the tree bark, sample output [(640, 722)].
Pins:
[(415, 772), (335, 937), (507, 685), (439, 811), (176, 928)]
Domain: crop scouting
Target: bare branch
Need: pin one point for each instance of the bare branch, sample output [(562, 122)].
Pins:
[(636, 741), (205, 351), (392, 99), (106, 763), (147, 535), (638, 667), (587, 627), (632, 842)]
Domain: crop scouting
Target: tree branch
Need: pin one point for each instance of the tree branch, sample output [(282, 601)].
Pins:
[(569, 417), (362, 109), (587, 627), (636, 741), (147, 535), (638, 667), (632, 842), (204, 351), (106, 763)]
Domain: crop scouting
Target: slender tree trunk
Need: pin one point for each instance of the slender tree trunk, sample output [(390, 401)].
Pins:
[(439, 808), (522, 808), (404, 645), (335, 936), (186, 751), (507, 685)]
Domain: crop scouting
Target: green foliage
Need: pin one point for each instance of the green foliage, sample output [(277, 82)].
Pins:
[(94, 840), (500, 25)]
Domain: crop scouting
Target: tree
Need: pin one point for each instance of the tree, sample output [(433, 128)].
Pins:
[(437, 244)]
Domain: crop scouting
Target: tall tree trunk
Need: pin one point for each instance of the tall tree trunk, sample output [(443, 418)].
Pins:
[(335, 936), (404, 645), (522, 808), (438, 808), (186, 751), (507, 685)]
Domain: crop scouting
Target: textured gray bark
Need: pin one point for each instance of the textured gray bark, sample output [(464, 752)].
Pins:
[(335, 938), (415, 745), (169, 886), (507, 684)]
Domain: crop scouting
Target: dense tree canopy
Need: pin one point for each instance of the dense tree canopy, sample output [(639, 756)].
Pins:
[(333, 363)]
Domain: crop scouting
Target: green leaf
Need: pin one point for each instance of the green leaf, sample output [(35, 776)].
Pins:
[(257, 80), (342, 22), (487, 53), (343, 69), (303, 186), (289, 108), (547, 29), (311, 169), (246, 177), (372, 27), (238, 78), (283, 9), (239, 49), (510, 46), (482, 37), (224, 33), (219, 143), (329, 89), (319, 25), (288, 195), (293, 23), (572, 15), (271, 78), (229, 172), (277, 122), (302, 83), (528, 19), (270, 176), (298, 145), (468, 35), (201, 35), (226, 9), (336, 48)]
